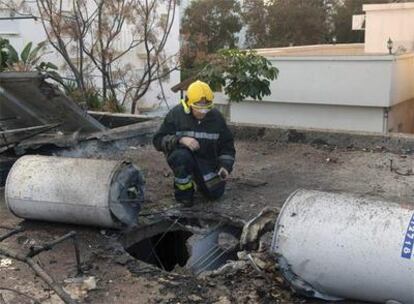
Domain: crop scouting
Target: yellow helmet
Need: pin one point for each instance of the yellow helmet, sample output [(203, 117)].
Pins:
[(197, 91)]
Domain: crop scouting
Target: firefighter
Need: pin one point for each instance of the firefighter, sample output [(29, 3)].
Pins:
[(198, 145)]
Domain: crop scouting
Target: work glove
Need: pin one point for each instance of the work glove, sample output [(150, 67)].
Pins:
[(190, 143)]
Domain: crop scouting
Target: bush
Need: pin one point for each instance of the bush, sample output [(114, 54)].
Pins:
[(92, 99), (242, 74)]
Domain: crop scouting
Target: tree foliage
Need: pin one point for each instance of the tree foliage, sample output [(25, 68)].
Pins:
[(242, 74), (299, 22), (343, 19), (276, 23), (212, 24), (207, 26), (256, 17)]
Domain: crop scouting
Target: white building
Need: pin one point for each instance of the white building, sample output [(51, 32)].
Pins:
[(22, 31), (355, 87)]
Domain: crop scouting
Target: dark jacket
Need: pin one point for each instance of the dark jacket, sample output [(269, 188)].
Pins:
[(215, 139)]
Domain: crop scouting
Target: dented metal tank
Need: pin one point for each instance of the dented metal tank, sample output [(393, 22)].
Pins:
[(338, 246), (78, 191)]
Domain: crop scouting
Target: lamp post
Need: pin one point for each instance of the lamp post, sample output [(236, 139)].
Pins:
[(390, 45)]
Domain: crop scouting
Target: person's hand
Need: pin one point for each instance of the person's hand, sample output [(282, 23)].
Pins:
[(190, 143), (223, 173)]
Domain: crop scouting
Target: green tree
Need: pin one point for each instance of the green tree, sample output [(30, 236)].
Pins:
[(287, 22), (216, 22), (207, 26), (242, 74), (255, 16), (297, 22), (342, 19)]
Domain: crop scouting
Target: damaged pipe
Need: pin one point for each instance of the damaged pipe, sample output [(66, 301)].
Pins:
[(78, 191), (337, 246)]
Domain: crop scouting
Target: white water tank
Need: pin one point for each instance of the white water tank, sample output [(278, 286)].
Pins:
[(338, 246), (74, 190)]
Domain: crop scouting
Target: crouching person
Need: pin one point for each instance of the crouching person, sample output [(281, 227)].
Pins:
[(198, 145)]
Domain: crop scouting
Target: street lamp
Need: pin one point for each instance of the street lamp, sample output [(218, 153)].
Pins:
[(390, 45)]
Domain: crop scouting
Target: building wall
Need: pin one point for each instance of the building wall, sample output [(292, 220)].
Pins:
[(384, 21), (402, 84), (401, 112), (401, 117), (331, 117), (343, 92), (336, 80), (336, 92), (21, 32)]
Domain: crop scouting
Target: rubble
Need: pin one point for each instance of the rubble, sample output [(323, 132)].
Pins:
[(123, 279), (30, 106), (36, 116), (79, 287), (5, 263), (192, 244), (28, 259), (256, 227), (223, 300)]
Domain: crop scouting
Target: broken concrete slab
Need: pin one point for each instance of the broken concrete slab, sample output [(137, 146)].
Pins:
[(106, 142), (34, 113), (28, 101), (189, 245), (116, 120)]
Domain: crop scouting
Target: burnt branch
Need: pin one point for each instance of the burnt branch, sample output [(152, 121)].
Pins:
[(11, 233), (39, 271), (35, 250)]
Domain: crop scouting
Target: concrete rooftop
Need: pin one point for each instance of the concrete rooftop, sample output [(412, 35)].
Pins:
[(352, 49)]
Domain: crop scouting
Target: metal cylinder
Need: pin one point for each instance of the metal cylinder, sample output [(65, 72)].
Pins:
[(339, 246), (73, 190)]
